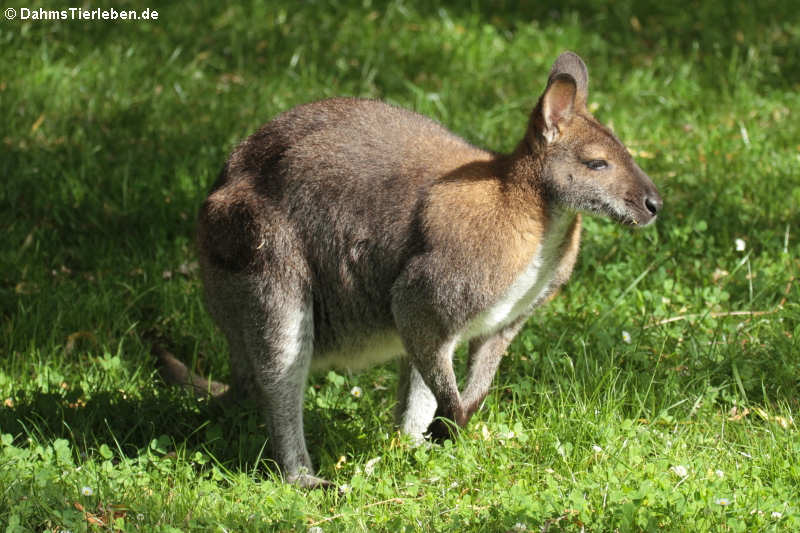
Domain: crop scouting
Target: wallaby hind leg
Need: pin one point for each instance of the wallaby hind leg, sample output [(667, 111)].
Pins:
[(416, 403), (224, 293), (273, 330), (281, 351)]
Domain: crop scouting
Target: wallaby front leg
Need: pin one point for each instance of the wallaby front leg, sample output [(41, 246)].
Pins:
[(485, 354), (435, 366), (429, 345)]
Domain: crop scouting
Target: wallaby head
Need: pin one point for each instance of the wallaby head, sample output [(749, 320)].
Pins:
[(581, 163)]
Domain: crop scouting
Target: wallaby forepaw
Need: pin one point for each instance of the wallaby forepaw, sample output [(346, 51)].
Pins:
[(442, 429)]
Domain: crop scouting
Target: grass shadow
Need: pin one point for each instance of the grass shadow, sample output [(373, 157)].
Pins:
[(233, 434)]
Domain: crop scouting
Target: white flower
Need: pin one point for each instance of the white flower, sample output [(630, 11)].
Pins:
[(315, 529), (680, 470), (519, 527), (740, 245), (776, 514), (87, 491), (626, 337), (355, 392), (719, 473), (722, 501), (596, 448)]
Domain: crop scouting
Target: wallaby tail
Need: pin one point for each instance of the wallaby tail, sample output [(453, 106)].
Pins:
[(175, 372)]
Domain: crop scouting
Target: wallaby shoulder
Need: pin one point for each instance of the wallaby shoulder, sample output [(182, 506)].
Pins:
[(490, 242)]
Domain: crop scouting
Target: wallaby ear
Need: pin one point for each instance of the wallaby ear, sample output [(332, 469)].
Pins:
[(570, 63), (558, 104)]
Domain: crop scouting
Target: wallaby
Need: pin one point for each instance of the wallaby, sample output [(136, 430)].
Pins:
[(347, 232)]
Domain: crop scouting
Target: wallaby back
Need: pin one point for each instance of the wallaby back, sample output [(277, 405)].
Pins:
[(350, 179), (348, 231)]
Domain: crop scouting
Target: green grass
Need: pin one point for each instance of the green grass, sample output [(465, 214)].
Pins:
[(113, 132)]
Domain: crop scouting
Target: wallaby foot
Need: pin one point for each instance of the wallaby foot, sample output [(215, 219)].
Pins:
[(308, 481)]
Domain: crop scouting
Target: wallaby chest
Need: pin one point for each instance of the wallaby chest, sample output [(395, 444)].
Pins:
[(549, 265)]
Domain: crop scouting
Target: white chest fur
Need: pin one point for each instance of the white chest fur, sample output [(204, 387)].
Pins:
[(531, 285)]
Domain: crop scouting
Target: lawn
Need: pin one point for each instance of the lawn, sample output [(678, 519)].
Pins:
[(657, 392)]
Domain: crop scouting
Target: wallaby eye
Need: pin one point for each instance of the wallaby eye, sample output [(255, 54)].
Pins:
[(596, 164)]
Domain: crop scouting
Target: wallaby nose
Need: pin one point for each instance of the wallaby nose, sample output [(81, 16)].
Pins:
[(653, 203)]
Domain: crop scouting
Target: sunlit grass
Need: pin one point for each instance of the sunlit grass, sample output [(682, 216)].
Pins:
[(659, 391)]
